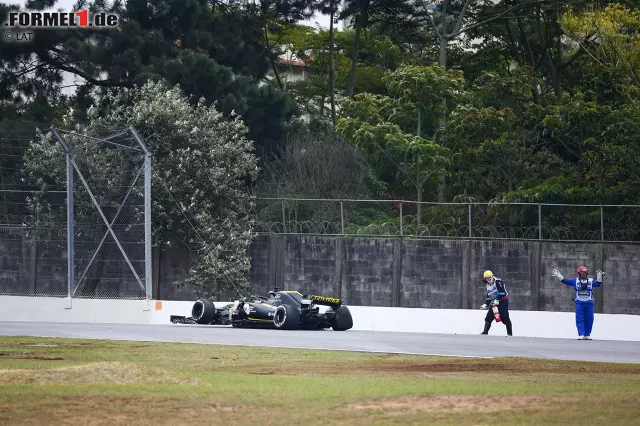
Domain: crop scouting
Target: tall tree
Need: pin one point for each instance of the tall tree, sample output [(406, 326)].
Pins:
[(202, 162), (367, 13), (213, 50), (392, 127), (609, 36), (331, 8), (377, 55)]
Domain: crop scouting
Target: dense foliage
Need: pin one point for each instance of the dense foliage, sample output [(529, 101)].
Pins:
[(465, 100), (202, 162)]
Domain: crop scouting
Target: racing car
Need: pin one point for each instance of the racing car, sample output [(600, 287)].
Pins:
[(281, 309)]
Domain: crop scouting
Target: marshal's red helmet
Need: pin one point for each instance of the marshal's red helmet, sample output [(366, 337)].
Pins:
[(583, 272)]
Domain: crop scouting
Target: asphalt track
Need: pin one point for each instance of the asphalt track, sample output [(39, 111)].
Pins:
[(352, 340)]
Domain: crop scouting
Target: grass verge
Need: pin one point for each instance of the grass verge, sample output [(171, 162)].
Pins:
[(74, 381)]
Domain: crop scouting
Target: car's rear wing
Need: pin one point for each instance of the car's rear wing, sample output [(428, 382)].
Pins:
[(333, 302)]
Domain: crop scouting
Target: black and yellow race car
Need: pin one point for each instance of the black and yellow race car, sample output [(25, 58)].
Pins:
[(281, 309)]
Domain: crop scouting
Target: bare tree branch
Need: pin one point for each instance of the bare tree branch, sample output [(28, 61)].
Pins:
[(273, 65), (50, 60), (486, 21), (433, 23), (461, 17), (572, 59), (403, 170)]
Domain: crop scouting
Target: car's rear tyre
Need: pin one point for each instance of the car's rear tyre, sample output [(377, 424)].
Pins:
[(203, 311), (286, 317), (342, 319)]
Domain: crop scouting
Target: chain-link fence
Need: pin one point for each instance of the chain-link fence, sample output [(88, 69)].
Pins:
[(393, 218), (33, 243), (75, 214)]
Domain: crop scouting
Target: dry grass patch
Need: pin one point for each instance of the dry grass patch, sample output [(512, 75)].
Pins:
[(114, 410), (119, 382), (463, 403), (30, 355), (517, 367), (94, 373)]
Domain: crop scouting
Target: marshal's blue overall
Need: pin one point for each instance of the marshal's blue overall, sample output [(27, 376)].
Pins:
[(584, 302)]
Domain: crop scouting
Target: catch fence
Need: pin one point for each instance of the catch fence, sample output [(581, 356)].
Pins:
[(75, 214), (464, 220)]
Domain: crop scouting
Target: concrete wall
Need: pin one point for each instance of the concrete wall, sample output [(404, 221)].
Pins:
[(411, 273), (31, 269), (36, 265), (373, 318), (444, 274), (457, 321), (62, 309)]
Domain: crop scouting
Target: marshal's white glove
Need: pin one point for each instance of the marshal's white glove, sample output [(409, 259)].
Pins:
[(484, 306), (599, 275), (557, 274)]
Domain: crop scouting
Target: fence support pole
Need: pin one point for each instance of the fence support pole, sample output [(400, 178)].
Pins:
[(147, 226), (342, 216), (470, 232), (70, 229), (601, 224), (70, 218), (148, 259), (540, 221), (401, 229), (284, 223)]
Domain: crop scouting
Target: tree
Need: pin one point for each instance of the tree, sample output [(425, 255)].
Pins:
[(314, 162), (499, 155), (609, 36), (202, 162), (392, 126), (377, 55), (581, 130), (332, 8), (367, 13), (428, 89), (529, 34), (184, 42)]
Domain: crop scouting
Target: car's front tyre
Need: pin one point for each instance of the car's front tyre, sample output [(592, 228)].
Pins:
[(203, 311)]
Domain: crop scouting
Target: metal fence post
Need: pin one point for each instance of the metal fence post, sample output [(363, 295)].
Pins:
[(284, 222), (401, 229), (342, 217), (147, 225), (70, 218), (147, 214), (540, 221), (70, 228), (470, 232), (601, 224)]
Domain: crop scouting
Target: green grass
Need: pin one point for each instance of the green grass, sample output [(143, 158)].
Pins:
[(118, 382)]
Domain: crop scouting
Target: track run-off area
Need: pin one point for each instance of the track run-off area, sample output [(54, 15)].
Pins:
[(448, 345)]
